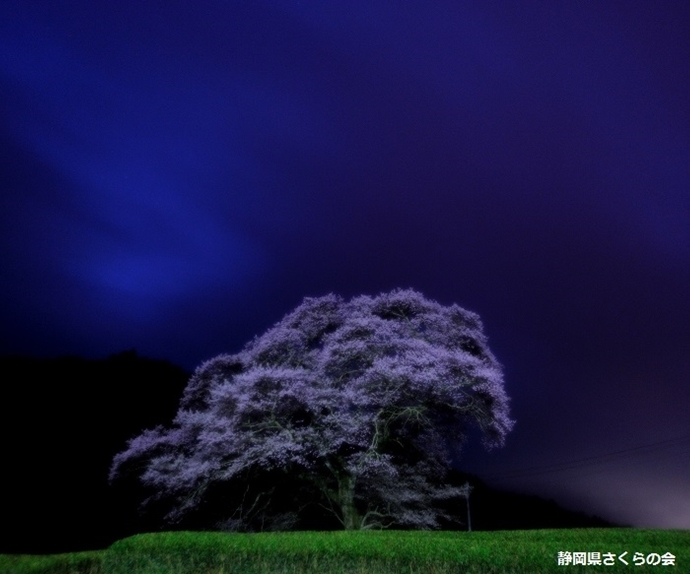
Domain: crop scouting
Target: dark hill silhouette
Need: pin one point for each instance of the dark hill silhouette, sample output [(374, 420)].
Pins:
[(63, 420), (492, 509)]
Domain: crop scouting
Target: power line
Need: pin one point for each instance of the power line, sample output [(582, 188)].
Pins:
[(589, 461)]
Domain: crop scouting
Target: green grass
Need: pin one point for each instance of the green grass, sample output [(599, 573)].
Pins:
[(380, 552)]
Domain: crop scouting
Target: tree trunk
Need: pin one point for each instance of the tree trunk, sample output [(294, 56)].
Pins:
[(346, 500)]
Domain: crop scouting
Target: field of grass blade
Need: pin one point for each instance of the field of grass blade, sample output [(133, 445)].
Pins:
[(378, 552)]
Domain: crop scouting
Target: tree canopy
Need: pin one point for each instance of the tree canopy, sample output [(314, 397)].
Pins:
[(352, 407)]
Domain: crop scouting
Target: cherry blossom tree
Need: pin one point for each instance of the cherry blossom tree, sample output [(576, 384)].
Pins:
[(357, 405)]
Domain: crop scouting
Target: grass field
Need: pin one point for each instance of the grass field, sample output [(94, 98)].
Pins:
[(371, 552)]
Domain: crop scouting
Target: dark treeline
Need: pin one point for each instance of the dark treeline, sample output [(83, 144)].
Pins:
[(64, 419)]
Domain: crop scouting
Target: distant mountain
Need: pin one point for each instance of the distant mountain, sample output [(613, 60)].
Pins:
[(62, 421)]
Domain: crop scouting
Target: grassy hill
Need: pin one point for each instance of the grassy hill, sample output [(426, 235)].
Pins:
[(371, 552)]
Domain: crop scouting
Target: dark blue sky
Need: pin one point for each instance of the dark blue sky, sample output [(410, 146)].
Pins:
[(177, 176)]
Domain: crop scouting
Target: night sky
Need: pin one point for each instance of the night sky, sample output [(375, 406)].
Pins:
[(177, 176)]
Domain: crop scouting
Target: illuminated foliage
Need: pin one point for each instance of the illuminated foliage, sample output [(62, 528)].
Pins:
[(358, 405)]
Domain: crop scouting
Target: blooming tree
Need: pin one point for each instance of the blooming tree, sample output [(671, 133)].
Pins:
[(358, 406)]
